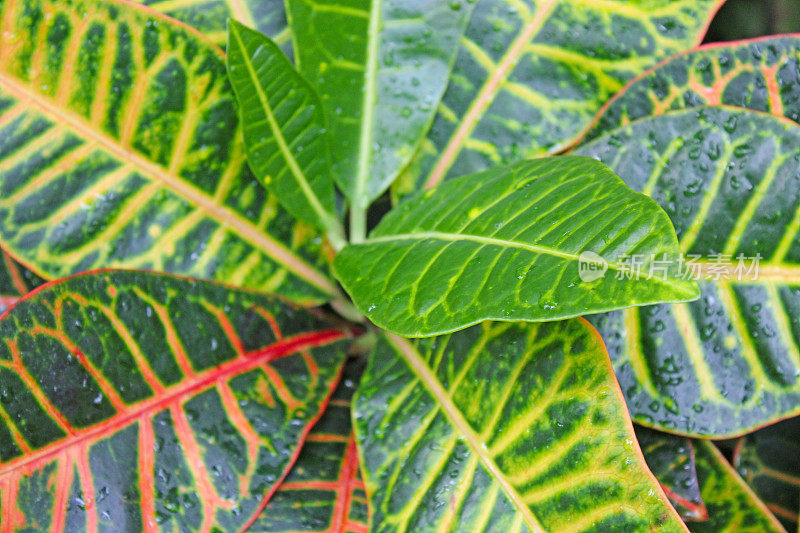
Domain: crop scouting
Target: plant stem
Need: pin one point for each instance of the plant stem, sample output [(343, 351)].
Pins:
[(358, 224), (347, 310), (336, 236)]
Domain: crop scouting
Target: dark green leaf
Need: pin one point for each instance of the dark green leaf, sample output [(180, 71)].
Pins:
[(507, 244), (15, 281), (730, 181), (284, 129), (502, 427)]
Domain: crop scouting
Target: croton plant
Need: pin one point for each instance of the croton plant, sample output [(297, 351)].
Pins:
[(320, 266)]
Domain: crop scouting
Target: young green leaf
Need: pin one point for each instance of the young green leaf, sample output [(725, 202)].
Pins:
[(284, 129), (514, 243), (530, 76), (144, 400), (381, 68), (732, 506), (210, 17), (120, 146), (760, 74), (324, 492), (769, 461), (671, 460), (502, 427), (730, 181)]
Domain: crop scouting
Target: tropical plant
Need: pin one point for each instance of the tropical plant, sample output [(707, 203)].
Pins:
[(198, 339)]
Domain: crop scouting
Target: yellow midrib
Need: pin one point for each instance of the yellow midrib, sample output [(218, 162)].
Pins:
[(435, 388), (223, 215)]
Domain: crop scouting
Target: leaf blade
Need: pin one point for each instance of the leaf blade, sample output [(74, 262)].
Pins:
[(228, 362), (289, 156), (427, 256), (161, 163), (474, 463)]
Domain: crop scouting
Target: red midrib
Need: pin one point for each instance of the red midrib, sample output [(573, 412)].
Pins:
[(237, 366)]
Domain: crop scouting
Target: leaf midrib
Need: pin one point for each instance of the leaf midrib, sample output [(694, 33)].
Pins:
[(435, 388), (294, 166), (535, 248), (223, 215)]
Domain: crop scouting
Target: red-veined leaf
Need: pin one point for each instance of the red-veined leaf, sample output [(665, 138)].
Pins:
[(760, 74), (671, 460), (769, 461), (324, 491), (120, 147), (131, 401), (15, 281)]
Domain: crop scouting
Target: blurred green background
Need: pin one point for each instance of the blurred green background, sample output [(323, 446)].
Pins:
[(744, 19)]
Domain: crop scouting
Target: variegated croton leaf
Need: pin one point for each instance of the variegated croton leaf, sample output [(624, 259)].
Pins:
[(15, 281), (671, 460), (729, 179), (119, 146), (502, 427), (529, 76), (324, 491), (769, 461), (133, 401)]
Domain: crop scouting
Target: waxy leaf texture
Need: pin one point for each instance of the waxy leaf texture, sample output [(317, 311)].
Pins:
[(132, 401), (502, 427), (120, 147), (729, 362), (507, 244)]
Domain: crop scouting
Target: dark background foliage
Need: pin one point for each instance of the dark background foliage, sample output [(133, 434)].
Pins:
[(745, 19)]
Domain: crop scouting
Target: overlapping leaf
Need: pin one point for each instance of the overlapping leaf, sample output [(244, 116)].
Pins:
[(119, 146), (381, 68), (769, 461), (210, 17), (284, 129), (732, 506), (529, 77), (761, 74), (730, 181), (671, 460), (133, 401), (15, 281), (324, 491), (502, 427), (507, 244)]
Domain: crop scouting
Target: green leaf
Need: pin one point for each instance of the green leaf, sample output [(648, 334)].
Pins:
[(119, 147), (15, 281), (769, 461), (506, 244), (502, 427), (732, 506), (760, 74), (529, 78), (730, 181), (324, 491), (176, 403), (284, 129), (210, 17), (381, 68), (671, 460)]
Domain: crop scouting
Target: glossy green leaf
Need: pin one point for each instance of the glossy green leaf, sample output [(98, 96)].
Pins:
[(324, 491), (119, 147), (210, 17), (671, 460), (732, 506), (760, 74), (502, 427), (133, 401), (529, 76), (284, 129), (769, 461), (15, 281), (381, 68), (507, 244), (730, 181)]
